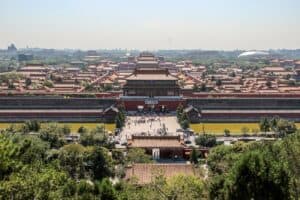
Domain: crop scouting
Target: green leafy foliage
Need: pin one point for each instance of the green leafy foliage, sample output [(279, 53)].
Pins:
[(120, 118), (177, 187), (281, 127), (257, 170), (138, 155), (34, 167), (37, 166), (206, 140), (54, 134), (182, 117), (33, 125), (96, 136), (9, 153), (194, 156)]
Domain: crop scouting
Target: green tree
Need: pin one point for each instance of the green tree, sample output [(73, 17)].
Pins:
[(285, 127), (33, 183), (118, 156), (71, 158), (245, 130), (273, 123), (226, 132), (206, 140), (53, 134), (107, 191), (31, 149), (291, 153), (66, 129), (138, 155), (256, 170), (179, 112), (120, 118), (96, 136), (222, 157), (184, 187), (85, 190), (8, 154), (185, 122), (258, 175), (33, 125), (82, 130), (264, 125), (100, 163), (194, 156), (118, 121)]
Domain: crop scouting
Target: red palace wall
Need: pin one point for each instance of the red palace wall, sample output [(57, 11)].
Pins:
[(250, 115), (191, 94), (131, 105)]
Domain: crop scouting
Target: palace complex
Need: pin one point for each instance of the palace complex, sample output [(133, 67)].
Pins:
[(146, 83)]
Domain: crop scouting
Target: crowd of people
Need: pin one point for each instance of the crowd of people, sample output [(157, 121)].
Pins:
[(145, 125)]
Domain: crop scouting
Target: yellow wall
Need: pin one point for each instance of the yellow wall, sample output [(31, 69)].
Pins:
[(218, 128), (74, 126)]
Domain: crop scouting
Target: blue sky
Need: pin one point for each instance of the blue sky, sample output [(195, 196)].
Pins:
[(155, 24)]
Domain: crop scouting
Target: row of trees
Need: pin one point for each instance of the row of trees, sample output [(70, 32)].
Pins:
[(277, 125), (44, 166)]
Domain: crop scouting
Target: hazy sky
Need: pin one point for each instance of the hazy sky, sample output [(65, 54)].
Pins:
[(151, 24)]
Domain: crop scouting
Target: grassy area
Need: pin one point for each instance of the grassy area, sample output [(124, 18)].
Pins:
[(218, 128), (74, 126)]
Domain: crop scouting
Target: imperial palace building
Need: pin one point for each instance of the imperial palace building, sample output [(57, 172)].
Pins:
[(149, 83), (151, 88)]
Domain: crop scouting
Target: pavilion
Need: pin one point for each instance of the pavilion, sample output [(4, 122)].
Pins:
[(168, 147)]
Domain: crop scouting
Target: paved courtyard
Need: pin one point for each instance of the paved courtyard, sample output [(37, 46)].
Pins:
[(149, 125)]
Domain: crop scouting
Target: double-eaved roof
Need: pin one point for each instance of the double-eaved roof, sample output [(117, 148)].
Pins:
[(151, 77), (151, 74), (156, 142)]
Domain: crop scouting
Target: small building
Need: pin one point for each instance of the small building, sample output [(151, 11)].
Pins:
[(192, 113), (109, 114), (168, 147), (145, 173)]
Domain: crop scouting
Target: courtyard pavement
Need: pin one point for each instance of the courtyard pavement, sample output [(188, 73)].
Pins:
[(152, 125)]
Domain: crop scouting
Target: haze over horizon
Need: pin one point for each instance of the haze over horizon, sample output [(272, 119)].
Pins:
[(151, 25)]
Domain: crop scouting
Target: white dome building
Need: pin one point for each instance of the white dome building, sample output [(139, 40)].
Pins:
[(253, 53)]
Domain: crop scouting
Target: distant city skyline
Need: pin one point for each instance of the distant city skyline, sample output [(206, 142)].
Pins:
[(151, 25)]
